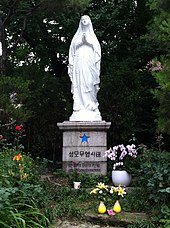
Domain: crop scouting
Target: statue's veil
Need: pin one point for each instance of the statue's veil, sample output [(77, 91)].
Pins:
[(80, 31), (90, 33)]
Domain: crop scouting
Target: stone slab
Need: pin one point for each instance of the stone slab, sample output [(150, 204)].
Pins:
[(124, 218), (85, 142), (83, 154), (91, 167), (94, 138), (84, 125)]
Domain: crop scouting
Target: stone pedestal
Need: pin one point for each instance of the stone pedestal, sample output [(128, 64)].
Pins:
[(84, 144)]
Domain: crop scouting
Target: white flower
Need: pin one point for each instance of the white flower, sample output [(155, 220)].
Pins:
[(111, 191)]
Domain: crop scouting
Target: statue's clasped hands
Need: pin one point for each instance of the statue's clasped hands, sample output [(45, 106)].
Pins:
[(84, 40)]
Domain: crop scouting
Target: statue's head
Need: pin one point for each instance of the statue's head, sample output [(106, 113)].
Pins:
[(85, 20)]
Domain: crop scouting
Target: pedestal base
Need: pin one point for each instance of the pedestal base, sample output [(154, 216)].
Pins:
[(84, 115), (84, 144)]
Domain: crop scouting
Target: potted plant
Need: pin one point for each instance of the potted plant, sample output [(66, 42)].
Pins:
[(121, 156)]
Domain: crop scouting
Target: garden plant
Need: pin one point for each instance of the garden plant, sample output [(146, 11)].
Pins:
[(35, 95)]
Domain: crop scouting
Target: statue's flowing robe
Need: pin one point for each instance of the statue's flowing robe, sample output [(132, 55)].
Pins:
[(84, 70)]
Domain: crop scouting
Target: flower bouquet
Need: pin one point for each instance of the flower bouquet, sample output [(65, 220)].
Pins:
[(108, 194)]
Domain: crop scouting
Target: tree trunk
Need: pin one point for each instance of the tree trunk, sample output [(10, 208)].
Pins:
[(2, 48)]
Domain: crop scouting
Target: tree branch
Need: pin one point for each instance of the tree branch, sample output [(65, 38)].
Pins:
[(10, 11), (20, 36)]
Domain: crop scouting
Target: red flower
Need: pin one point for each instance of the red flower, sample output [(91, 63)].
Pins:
[(19, 128), (17, 157)]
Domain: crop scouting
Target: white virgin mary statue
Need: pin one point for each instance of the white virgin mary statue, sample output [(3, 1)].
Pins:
[(84, 72)]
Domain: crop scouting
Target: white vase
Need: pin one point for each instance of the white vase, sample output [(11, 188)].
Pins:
[(121, 177)]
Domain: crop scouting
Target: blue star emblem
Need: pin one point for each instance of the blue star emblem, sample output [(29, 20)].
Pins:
[(84, 138)]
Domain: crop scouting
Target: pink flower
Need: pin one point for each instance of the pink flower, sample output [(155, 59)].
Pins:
[(1, 137), (154, 66), (118, 154), (111, 212)]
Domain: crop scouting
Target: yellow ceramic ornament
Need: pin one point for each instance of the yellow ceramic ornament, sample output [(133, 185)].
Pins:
[(117, 208), (101, 208)]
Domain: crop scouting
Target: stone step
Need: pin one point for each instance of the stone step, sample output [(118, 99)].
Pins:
[(120, 219), (78, 224)]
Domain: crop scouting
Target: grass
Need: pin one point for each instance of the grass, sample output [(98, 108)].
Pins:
[(54, 198), (70, 203)]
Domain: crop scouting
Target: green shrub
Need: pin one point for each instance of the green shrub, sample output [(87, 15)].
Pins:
[(154, 178), (136, 201), (23, 197), (154, 175), (16, 172), (166, 216)]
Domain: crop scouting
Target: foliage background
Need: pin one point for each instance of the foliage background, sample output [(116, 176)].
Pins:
[(35, 40)]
